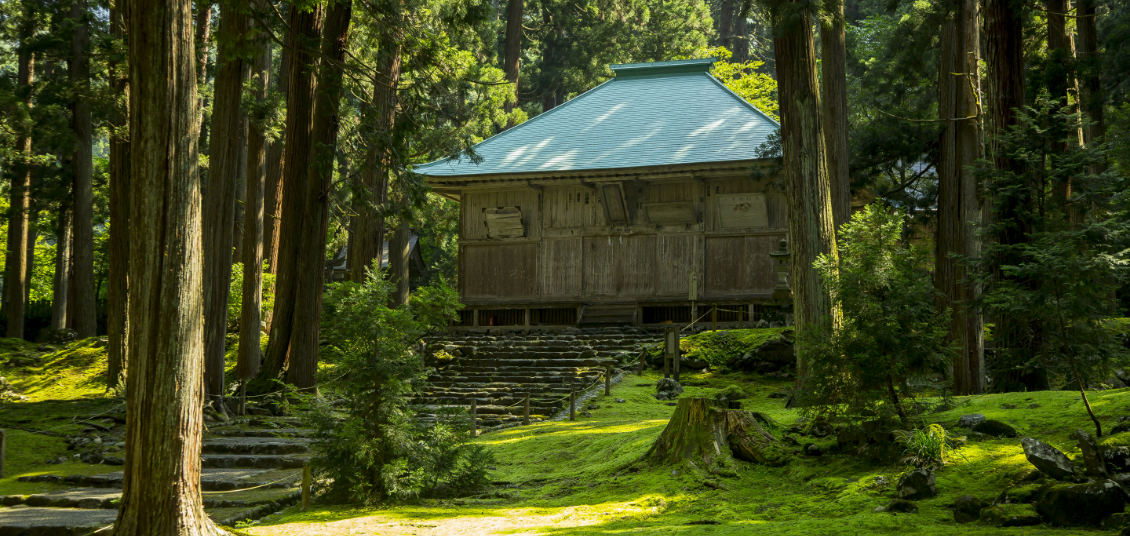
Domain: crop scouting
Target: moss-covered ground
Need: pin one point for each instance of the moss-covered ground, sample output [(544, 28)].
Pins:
[(583, 477)]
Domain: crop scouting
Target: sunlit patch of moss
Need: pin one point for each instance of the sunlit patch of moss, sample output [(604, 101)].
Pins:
[(78, 370), (718, 347)]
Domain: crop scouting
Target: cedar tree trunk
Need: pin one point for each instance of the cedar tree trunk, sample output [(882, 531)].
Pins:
[(273, 195), (247, 365), (311, 257), (84, 304), (833, 112), (19, 211), (811, 231), (60, 297), (164, 390), (513, 49), (399, 249), (219, 193), (1090, 88), (118, 293)]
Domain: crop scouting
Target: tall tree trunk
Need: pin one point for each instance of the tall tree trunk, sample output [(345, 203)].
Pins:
[(311, 258), (118, 293), (1090, 88), (740, 39), (247, 365), (726, 24), (833, 52), (219, 192), (367, 240), (84, 301), (17, 281), (241, 185), (273, 195), (60, 298), (201, 32), (164, 399), (307, 27), (1014, 339), (399, 249), (552, 78), (513, 49), (811, 231), (958, 206)]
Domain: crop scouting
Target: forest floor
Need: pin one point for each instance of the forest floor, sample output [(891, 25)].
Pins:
[(582, 477)]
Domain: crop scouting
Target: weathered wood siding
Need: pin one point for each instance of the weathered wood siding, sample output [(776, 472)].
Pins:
[(720, 230)]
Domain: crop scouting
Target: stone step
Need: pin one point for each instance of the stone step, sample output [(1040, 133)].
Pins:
[(104, 498), (211, 479), (255, 445), (539, 407), (53, 521), (595, 362), (257, 461), (258, 432)]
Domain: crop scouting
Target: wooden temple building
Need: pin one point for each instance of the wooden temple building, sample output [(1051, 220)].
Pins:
[(642, 201)]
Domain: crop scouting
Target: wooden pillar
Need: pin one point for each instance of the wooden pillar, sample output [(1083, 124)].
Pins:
[(527, 321), (475, 318), (526, 410), (305, 486), (572, 403), (474, 418), (671, 352), (607, 380), (714, 318)]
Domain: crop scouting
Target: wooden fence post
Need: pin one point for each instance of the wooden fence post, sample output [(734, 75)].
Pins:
[(305, 487), (474, 418), (526, 410), (639, 365), (3, 437), (607, 380), (572, 403)]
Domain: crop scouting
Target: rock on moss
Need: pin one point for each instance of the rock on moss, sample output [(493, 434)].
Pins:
[(995, 428), (917, 485), (1081, 504), (901, 506), (969, 421), (1020, 495), (1010, 515), (1117, 459), (1092, 457), (1047, 458), (967, 509)]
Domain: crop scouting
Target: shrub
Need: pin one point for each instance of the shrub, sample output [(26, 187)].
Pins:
[(890, 330), (925, 448), (368, 443)]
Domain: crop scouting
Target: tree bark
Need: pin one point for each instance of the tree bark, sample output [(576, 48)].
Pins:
[(367, 241), (164, 402), (84, 302), (958, 206), (513, 49), (60, 298), (811, 231), (273, 195), (117, 317), (740, 38), (202, 30), (247, 365), (240, 183), (301, 89), (17, 281), (219, 192), (311, 256), (399, 249), (833, 52), (726, 24), (1090, 88)]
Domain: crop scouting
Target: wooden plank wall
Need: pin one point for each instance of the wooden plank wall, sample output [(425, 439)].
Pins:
[(570, 254)]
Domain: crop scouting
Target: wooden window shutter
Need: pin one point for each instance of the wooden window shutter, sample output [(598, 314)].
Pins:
[(742, 211), (612, 197), (675, 213), (504, 222)]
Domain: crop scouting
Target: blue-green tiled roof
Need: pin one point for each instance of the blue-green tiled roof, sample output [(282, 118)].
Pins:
[(650, 114)]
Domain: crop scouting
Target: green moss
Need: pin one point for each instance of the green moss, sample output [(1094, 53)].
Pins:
[(718, 347)]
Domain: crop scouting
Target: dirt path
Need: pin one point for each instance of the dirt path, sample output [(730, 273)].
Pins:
[(515, 522)]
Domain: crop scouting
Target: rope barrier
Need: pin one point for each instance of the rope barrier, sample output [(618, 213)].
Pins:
[(245, 489)]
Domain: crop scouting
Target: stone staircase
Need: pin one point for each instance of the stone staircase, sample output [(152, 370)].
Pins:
[(250, 468), (498, 370)]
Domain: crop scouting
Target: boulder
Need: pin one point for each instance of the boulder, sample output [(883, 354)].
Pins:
[(1081, 504), (1047, 458), (901, 506), (1122, 426), (917, 485), (1093, 464), (1010, 515), (1116, 459), (968, 421), (668, 389), (967, 509), (995, 429)]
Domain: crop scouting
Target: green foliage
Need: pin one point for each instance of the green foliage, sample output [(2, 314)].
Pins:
[(890, 330), (235, 296), (719, 347), (368, 442), (1051, 264), (926, 448), (757, 88)]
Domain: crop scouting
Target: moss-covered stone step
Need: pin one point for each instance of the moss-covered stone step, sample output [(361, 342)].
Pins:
[(211, 479), (257, 461), (32, 521), (256, 445)]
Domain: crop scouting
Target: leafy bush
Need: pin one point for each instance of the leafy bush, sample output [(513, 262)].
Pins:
[(925, 448), (890, 330), (235, 302), (368, 443)]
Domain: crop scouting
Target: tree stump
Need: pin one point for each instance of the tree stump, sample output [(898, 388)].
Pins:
[(701, 431)]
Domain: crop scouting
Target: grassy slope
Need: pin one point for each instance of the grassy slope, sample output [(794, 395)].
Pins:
[(572, 477)]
